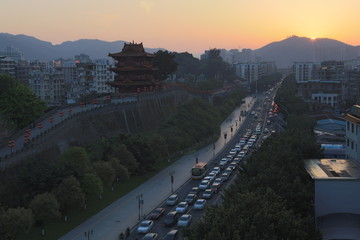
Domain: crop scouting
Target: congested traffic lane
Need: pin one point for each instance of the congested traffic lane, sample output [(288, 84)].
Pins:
[(250, 123)]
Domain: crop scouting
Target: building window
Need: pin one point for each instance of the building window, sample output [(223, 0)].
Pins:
[(348, 126), (352, 127), (352, 145), (347, 142)]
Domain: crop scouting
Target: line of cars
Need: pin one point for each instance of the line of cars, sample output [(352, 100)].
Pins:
[(198, 196)]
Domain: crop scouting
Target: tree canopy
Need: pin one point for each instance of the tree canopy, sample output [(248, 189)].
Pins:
[(165, 62), (20, 106), (45, 206), (15, 221)]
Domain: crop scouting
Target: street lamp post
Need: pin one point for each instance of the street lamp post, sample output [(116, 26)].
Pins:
[(172, 173), (140, 202)]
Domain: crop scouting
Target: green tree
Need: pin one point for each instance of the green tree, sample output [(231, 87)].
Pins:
[(6, 82), (75, 161), (121, 172), (45, 206), (69, 194), (189, 67), (39, 175), (92, 185), (104, 171), (126, 158), (15, 221), (165, 62), (20, 106)]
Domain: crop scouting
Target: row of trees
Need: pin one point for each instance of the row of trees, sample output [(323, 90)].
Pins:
[(19, 104), (81, 173), (187, 67), (272, 198)]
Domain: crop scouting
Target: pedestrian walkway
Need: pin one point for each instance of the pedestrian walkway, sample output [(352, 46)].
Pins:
[(123, 213), (40, 128)]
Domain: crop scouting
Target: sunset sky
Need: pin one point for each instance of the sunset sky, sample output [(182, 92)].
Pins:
[(183, 25)]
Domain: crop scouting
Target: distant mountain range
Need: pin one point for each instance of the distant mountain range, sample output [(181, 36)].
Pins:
[(35, 49), (284, 52), (298, 49)]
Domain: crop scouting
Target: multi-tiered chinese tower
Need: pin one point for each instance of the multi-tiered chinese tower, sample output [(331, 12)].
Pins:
[(134, 70)]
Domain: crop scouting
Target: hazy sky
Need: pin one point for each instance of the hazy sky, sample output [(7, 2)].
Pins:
[(183, 25)]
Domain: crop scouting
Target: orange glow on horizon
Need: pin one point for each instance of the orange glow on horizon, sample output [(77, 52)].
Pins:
[(192, 26)]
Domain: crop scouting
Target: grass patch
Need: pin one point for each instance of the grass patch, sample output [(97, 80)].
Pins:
[(55, 229)]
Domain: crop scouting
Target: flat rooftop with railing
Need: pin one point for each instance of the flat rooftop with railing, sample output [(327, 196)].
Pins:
[(333, 169)]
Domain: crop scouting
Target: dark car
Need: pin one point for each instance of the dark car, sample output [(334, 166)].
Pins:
[(171, 235), (190, 198), (171, 218), (157, 213), (151, 236), (215, 187)]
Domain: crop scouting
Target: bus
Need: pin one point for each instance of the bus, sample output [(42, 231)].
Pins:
[(198, 171)]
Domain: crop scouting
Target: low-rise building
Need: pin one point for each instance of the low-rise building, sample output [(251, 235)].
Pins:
[(353, 133), (337, 197)]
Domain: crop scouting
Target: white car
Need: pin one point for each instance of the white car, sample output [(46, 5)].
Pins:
[(238, 147), (207, 193), (184, 220), (199, 204), (212, 176), (204, 184), (145, 226), (216, 170), (182, 207), (172, 200), (232, 152), (241, 154)]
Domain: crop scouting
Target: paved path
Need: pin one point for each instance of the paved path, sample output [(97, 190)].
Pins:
[(57, 117), (123, 213)]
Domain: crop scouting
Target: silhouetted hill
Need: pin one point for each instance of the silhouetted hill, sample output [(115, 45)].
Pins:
[(284, 52), (33, 48), (296, 49)]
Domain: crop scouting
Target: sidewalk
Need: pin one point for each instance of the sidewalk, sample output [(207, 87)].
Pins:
[(123, 213)]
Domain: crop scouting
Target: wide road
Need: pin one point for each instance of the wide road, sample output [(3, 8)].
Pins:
[(124, 212), (261, 108)]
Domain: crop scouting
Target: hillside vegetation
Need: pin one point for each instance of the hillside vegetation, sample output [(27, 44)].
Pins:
[(40, 191)]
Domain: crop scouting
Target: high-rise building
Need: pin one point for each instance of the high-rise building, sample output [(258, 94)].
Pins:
[(254, 71), (103, 75), (13, 53), (305, 71), (48, 84), (7, 66)]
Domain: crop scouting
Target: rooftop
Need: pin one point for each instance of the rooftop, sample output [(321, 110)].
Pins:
[(332, 169)]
